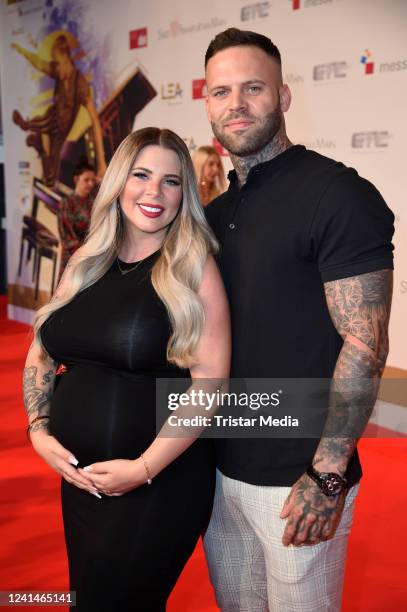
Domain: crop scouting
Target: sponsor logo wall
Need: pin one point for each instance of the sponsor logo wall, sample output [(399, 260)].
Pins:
[(345, 66)]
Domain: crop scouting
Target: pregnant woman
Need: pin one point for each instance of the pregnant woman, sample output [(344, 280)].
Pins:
[(140, 300)]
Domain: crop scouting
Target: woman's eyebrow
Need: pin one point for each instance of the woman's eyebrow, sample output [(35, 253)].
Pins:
[(151, 172)]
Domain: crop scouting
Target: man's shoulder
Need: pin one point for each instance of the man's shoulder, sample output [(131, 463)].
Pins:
[(319, 163), (340, 178), (317, 174)]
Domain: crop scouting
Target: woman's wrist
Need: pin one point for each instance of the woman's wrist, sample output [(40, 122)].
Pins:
[(149, 477), (144, 473), (40, 423)]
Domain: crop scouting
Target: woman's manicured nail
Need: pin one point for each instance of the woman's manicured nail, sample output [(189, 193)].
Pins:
[(96, 494), (87, 468), (73, 460)]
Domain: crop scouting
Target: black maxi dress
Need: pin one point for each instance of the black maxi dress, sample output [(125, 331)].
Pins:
[(125, 553)]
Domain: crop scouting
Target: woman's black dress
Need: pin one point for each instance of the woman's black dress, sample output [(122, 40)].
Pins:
[(125, 553)]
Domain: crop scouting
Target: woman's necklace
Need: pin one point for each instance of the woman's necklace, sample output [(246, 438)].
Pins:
[(127, 270)]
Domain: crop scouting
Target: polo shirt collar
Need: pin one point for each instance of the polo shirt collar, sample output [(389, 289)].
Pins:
[(269, 166)]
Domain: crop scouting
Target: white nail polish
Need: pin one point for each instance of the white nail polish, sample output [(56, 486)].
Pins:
[(72, 460), (96, 494), (87, 468)]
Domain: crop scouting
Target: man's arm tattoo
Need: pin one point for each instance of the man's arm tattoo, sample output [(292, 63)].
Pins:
[(360, 308)]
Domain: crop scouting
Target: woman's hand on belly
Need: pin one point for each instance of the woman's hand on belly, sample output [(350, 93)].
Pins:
[(116, 477), (61, 460)]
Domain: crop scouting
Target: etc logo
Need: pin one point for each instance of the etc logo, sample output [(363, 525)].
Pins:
[(365, 60)]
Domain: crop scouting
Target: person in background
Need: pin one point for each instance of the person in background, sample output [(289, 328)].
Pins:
[(210, 174), (75, 211)]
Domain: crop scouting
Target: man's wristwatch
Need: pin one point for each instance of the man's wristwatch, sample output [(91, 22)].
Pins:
[(330, 483)]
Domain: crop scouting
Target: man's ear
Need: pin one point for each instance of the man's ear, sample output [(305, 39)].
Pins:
[(285, 98)]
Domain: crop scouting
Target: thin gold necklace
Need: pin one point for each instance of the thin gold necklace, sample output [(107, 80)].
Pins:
[(128, 270)]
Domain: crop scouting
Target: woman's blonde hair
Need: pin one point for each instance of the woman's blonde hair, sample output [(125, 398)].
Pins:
[(199, 159), (177, 273)]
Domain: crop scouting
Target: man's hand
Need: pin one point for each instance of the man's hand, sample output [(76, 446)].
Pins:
[(312, 516)]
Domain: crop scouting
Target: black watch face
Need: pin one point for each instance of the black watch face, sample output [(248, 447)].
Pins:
[(333, 484)]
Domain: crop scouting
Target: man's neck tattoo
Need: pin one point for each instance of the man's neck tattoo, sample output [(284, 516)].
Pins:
[(242, 165)]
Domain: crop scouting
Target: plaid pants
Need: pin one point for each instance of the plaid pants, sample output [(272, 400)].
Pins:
[(250, 568)]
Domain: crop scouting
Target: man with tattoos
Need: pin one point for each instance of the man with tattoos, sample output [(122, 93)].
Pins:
[(306, 258)]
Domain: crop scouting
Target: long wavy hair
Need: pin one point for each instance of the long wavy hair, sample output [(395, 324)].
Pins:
[(177, 273), (199, 159)]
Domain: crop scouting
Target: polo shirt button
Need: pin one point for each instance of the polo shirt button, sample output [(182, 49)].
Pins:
[(232, 226)]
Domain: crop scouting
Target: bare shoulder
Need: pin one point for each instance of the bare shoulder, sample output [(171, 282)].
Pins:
[(213, 353)]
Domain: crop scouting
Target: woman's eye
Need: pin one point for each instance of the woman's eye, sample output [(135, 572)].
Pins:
[(140, 175), (173, 182)]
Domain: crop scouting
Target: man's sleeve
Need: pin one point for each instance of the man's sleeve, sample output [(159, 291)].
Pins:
[(352, 230)]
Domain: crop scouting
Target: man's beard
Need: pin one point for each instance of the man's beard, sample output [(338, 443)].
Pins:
[(256, 137)]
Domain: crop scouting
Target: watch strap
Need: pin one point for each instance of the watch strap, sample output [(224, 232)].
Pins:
[(330, 483)]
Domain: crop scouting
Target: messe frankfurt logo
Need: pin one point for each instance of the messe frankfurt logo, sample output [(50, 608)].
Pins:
[(365, 60), (296, 4), (138, 38)]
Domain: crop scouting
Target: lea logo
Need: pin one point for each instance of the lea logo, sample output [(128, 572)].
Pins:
[(366, 61), (199, 89), (254, 11), (216, 144), (296, 4), (370, 140), (138, 38), (171, 91)]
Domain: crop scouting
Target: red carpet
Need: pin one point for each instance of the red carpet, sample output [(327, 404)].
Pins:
[(32, 555)]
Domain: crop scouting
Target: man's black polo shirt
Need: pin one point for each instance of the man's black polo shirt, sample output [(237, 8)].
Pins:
[(300, 220)]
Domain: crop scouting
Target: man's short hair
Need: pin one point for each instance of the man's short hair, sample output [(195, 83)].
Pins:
[(233, 37)]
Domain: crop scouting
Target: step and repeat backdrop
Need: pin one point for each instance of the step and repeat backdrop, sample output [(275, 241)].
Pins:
[(78, 75)]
